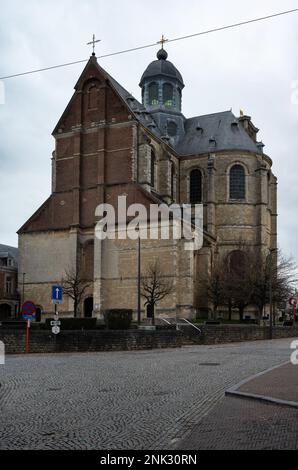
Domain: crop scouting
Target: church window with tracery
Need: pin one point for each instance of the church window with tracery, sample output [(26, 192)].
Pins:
[(237, 182), (195, 187)]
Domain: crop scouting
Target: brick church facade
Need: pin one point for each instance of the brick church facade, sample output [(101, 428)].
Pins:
[(108, 144)]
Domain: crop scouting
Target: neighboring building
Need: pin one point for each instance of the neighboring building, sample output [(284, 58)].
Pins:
[(9, 297), (108, 144)]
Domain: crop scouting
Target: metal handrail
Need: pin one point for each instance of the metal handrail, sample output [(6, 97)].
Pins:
[(191, 324), (166, 321)]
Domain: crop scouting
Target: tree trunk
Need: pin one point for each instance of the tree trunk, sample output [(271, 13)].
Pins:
[(153, 314), (241, 313), (75, 309)]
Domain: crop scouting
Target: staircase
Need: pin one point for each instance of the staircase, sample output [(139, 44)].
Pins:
[(191, 333)]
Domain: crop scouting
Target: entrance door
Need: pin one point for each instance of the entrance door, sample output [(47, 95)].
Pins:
[(88, 307)]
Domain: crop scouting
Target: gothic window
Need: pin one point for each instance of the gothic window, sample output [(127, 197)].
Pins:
[(237, 182), (168, 95), (172, 128), (92, 97), (153, 94), (179, 94), (153, 160), (195, 187)]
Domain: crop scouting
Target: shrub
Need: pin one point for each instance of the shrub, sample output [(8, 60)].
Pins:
[(75, 323), (118, 319)]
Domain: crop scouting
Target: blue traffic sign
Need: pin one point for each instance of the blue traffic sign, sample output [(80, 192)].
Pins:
[(57, 294)]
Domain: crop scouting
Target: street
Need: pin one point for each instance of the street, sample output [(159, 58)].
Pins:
[(123, 400)]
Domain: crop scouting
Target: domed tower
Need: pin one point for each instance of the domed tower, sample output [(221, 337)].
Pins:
[(162, 86)]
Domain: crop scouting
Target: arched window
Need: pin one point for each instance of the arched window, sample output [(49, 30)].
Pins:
[(153, 94), (168, 95), (153, 160), (172, 128), (237, 182), (195, 187)]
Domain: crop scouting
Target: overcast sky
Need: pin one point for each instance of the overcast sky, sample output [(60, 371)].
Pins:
[(252, 68)]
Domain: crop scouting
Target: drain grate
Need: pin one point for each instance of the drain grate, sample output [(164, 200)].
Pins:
[(210, 364)]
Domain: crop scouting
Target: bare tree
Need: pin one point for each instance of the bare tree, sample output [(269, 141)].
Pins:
[(75, 287), (281, 272), (155, 287), (216, 286), (244, 279)]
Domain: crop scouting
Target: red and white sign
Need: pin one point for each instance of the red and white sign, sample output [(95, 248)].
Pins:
[(293, 301)]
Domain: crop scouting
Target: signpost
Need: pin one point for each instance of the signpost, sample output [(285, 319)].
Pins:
[(57, 296), (294, 302), (56, 330), (28, 312)]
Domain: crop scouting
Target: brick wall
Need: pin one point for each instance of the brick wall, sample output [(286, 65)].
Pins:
[(89, 341), (93, 341), (235, 334)]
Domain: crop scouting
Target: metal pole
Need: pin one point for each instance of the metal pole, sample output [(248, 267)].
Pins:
[(271, 296), (139, 278)]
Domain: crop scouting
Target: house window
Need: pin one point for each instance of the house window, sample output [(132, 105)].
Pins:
[(153, 94), (153, 160), (237, 182), (172, 128), (168, 95), (8, 285), (195, 187)]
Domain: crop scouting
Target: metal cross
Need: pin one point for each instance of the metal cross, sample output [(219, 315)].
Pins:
[(93, 42), (162, 41)]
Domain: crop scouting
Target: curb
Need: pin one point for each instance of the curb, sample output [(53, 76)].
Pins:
[(233, 391)]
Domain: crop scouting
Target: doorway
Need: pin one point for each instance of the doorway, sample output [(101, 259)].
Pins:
[(88, 307)]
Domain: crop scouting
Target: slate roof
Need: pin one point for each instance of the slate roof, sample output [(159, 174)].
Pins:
[(202, 134), (214, 132), (162, 67), (11, 251)]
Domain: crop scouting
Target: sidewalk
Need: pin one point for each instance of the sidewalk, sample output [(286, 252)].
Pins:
[(278, 385), (250, 416)]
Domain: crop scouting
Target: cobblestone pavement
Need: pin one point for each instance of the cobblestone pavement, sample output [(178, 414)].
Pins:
[(122, 400), (241, 424)]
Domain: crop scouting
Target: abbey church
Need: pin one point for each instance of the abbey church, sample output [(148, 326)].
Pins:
[(108, 144)]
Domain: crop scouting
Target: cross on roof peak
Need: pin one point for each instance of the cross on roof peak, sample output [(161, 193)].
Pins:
[(93, 42), (162, 41)]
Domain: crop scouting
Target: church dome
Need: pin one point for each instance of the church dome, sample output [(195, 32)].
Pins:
[(162, 67)]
